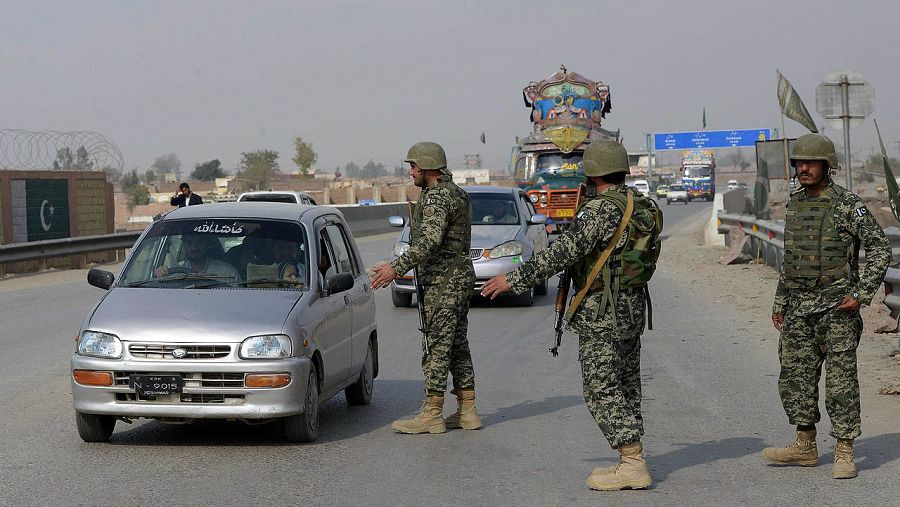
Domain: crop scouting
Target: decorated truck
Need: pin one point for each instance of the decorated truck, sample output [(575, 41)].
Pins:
[(698, 173), (566, 111)]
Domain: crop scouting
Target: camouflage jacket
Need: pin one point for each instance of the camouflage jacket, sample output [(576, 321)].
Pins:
[(441, 237), (853, 222), (593, 228)]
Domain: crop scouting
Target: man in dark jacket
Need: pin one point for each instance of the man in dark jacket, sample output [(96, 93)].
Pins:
[(185, 197)]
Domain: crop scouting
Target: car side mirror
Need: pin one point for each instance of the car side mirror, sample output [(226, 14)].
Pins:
[(100, 278), (338, 282), (537, 219), (396, 221)]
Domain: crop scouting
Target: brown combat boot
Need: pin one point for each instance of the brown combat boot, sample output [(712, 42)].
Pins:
[(843, 468), (802, 452), (631, 472), (465, 417), (429, 420)]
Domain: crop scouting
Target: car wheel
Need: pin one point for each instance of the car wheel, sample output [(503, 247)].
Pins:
[(360, 392), (401, 299), (94, 428), (305, 427), (526, 299), (668, 202), (541, 288)]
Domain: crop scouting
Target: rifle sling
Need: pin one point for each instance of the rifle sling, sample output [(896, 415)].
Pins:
[(576, 301)]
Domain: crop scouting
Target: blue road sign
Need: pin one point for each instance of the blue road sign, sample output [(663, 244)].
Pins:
[(709, 139)]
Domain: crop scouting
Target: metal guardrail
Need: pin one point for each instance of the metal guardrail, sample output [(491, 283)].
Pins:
[(766, 240), (363, 221)]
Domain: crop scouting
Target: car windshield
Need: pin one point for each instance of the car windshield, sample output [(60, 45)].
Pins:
[(676, 187), (220, 253), (289, 198), (494, 209)]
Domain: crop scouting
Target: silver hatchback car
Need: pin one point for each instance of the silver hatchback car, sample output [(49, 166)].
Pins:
[(246, 311), (506, 231)]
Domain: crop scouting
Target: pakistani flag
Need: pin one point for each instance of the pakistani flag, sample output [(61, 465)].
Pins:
[(40, 209), (892, 187), (792, 106)]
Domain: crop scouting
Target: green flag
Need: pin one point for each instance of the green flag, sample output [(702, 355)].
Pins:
[(893, 188), (792, 106), (704, 117)]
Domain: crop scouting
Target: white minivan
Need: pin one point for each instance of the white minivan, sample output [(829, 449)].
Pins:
[(643, 187)]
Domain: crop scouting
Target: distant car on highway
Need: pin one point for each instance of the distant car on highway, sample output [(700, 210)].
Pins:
[(643, 187), (661, 191), (246, 311), (277, 196), (732, 184), (677, 193), (506, 231)]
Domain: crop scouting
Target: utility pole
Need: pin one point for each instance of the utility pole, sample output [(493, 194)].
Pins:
[(650, 158)]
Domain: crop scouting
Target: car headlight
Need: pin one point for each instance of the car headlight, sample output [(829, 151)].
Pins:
[(400, 248), (533, 197), (507, 249), (96, 344), (273, 346)]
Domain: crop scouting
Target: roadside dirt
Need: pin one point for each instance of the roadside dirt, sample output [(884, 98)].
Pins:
[(750, 287)]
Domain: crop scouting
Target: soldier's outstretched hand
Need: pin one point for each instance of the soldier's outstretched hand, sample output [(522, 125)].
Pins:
[(384, 275), (494, 287), (778, 320), (849, 304)]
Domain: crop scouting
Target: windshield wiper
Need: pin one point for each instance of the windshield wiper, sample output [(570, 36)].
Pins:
[(277, 281), (177, 277)]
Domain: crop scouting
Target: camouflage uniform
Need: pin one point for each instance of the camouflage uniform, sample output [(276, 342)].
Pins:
[(440, 241), (609, 346), (814, 331)]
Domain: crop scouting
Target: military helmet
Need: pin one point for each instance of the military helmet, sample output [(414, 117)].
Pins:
[(428, 155), (605, 157), (814, 147)]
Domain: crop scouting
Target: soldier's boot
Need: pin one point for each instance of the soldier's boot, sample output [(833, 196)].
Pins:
[(802, 452), (466, 417), (843, 468), (630, 473), (429, 420)]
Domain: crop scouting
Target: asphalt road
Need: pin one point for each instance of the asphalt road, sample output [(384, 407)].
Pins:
[(710, 406)]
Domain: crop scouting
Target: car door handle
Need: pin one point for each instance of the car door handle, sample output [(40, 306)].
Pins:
[(346, 299)]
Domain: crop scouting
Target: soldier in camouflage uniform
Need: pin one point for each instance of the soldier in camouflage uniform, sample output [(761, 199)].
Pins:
[(817, 304), (440, 241), (611, 318)]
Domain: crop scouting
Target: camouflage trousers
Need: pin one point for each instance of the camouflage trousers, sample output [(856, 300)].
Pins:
[(807, 342), (610, 357), (449, 345)]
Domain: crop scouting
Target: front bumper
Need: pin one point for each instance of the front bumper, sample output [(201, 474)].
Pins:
[(200, 398), (485, 269)]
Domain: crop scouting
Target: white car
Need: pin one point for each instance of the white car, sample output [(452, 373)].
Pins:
[(676, 193), (732, 184), (643, 187), (288, 196)]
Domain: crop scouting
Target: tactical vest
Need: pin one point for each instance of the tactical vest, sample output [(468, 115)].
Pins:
[(815, 255), (633, 261), (454, 248)]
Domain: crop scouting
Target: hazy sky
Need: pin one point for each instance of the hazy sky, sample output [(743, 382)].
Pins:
[(360, 80)]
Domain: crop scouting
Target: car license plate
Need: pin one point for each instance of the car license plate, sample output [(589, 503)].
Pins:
[(565, 213), (156, 385)]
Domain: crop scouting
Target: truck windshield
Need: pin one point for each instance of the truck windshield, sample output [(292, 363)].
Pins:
[(558, 163), (696, 171)]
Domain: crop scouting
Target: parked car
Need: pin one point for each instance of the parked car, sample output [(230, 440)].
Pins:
[(677, 193), (287, 196), (246, 311), (732, 184), (661, 191), (506, 231), (643, 187)]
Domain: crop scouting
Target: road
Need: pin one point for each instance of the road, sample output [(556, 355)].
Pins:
[(710, 407)]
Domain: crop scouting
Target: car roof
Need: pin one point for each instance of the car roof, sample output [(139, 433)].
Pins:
[(273, 210), (491, 189), (275, 192)]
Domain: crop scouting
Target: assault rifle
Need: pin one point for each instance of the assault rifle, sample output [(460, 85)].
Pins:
[(420, 291), (562, 292)]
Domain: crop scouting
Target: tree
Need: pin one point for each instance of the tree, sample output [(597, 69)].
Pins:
[(112, 174), (83, 160), (150, 176), (208, 171), (399, 170), (130, 180), (372, 170), (351, 170), (304, 156), (167, 164), (259, 166), (64, 159), (138, 196)]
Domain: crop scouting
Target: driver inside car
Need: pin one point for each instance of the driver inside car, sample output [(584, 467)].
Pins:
[(198, 260)]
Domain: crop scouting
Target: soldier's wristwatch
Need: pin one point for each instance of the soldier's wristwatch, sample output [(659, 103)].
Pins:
[(855, 296)]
